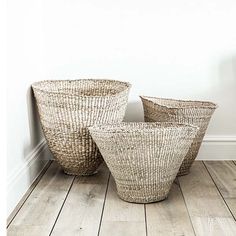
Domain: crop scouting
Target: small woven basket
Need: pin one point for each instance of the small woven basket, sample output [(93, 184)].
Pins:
[(197, 113), (144, 158), (68, 107)]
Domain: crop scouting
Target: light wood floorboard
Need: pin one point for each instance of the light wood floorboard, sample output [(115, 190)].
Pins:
[(121, 218), (169, 217), (27, 194), (224, 175), (38, 214), (82, 210), (198, 204), (208, 211)]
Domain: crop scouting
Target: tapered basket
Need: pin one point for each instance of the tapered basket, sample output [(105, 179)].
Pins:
[(197, 113), (68, 107), (144, 158)]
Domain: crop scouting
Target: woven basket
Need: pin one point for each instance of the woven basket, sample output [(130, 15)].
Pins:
[(68, 107), (197, 113), (144, 158)]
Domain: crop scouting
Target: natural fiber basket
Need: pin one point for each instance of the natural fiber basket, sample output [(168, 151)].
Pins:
[(68, 107), (197, 113), (144, 158)]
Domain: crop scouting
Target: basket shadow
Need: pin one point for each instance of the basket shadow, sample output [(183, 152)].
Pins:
[(134, 112), (33, 148)]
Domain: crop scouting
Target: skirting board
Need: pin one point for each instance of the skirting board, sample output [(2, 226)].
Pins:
[(23, 180), (216, 148)]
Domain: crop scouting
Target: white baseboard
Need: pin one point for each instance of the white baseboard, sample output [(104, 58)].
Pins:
[(218, 147), (21, 180)]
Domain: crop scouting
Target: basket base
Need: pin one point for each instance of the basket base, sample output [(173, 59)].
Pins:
[(80, 170), (142, 200), (183, 172), (79, 174)]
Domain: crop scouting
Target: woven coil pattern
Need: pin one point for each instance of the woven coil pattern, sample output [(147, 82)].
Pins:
[(144, 158), (197, 113), (68, 107)]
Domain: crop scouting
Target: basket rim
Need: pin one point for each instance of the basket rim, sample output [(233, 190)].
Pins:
[(145, 127), (200, 104), (36, 85)]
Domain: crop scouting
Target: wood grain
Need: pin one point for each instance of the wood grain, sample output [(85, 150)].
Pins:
[(208, 211), (84, 207), (82, 211), (38, 214), (169, 217), (27, 194), (120, 217), (224, 176)]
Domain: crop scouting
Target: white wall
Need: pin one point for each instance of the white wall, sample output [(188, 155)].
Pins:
[(180, 49), (26, 151)]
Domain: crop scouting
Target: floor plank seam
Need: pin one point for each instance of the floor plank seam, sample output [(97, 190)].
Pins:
[(42, 174), (103, 206), (62, 206), (145, 218), (219, 191), (186, 206)]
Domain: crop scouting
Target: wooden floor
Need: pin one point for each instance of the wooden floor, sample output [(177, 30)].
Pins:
[(201, 203)]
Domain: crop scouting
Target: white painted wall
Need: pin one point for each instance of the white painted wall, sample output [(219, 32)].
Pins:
[(180, 49), (24, 60)]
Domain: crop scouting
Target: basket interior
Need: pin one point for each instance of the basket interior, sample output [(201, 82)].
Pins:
[(126, 127), (173, 103), (83, 87)]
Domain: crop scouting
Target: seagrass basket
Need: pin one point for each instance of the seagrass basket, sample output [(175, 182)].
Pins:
[(68, 107), (144, 158), (197, 113)]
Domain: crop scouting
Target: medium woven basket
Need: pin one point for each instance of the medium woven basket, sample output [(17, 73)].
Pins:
[(68, 107), (197, 113), (144, 158)]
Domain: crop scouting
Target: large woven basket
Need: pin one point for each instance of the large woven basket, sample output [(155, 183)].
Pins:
[(144, 158), (68, 107), (197, 113)]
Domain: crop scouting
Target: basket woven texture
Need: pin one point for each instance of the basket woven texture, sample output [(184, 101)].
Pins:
[(68, 107), (197, 113), (144, 158)]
